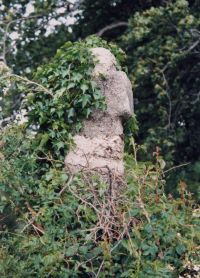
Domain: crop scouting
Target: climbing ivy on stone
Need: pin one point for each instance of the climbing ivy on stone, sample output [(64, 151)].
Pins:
[(70, 97)]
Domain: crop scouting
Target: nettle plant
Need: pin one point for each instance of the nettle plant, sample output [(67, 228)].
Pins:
[(57, 225)]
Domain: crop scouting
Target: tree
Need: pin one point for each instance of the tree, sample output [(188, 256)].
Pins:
[(28, 40), (163, 56), (28, 37), (112, 15)]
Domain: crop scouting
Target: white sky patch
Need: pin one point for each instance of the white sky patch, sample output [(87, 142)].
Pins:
[(52, 24), (61, 10), (29, 9), (66, 19), (2, 7), (14, 35), (71, 20), (62, 20)]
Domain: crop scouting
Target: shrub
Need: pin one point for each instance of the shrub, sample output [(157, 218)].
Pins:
[(54, 224)]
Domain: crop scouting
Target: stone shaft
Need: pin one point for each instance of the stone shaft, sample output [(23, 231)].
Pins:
[(99, 147)]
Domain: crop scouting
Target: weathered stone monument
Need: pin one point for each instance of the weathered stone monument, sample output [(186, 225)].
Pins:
[(100, 146)]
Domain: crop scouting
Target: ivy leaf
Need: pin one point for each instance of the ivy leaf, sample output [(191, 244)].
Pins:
[(93, 85), (60, 145), (88, 112), (71, 113), (65, 73), (85, 99), (52, 110), (84, 87), (60, 92), (97, 95), (71, 85), (60, 113), (77, 77)]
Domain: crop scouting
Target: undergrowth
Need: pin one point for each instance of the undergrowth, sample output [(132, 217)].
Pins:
[(54, 224)]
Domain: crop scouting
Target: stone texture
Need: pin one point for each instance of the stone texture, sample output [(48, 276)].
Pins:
[(114, 84), (96, 153), (99, 147)]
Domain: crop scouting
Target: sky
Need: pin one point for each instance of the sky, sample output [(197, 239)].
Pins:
[(52, 23)]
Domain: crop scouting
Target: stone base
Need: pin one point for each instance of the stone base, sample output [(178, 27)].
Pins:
[(103, 155)]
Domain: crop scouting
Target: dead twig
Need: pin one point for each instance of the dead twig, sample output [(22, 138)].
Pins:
[(31, 83), (99, 270), (66, 185), (175, 167)]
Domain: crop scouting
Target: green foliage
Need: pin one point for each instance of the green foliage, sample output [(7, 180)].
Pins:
[(46, 228), (34, 41), (57, 225), (163, 57), (96, 15), (65, 226), (37, 40), (28, 39)]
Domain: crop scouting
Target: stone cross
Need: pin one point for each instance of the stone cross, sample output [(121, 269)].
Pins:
[(99, 147)]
